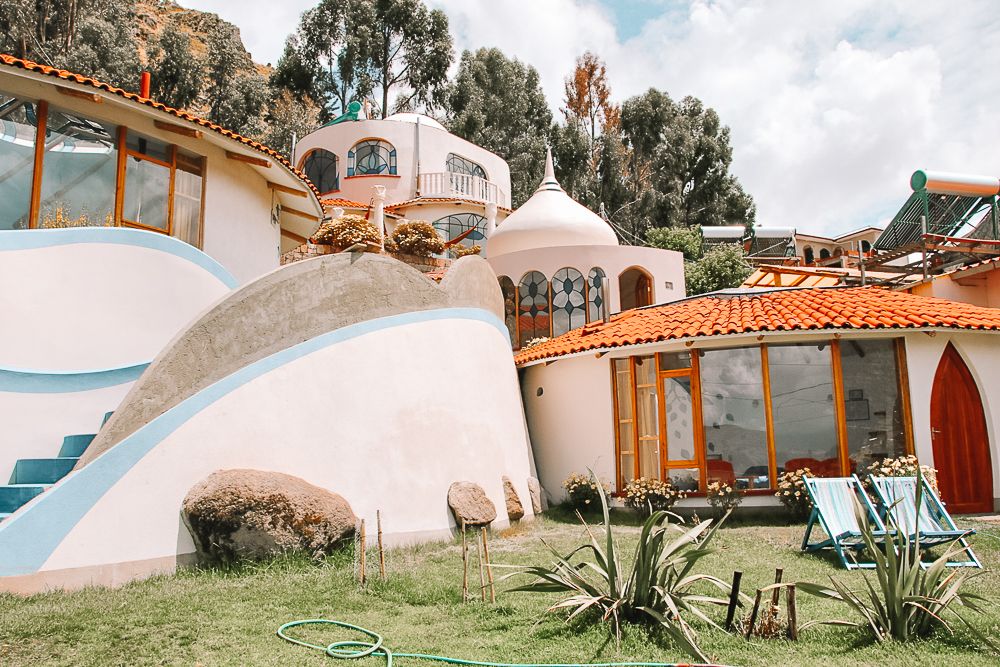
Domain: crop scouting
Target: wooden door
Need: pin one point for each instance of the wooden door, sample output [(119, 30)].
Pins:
[(959, 438)]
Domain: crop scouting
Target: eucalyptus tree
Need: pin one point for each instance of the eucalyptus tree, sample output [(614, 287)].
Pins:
[(177, 73)]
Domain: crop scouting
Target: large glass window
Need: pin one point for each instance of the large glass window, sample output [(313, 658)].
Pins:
[(732, 400), (596, 303), (624, 421), (320, 167), (457, 164), (802, 408), (147, 183), (568, 307), (18, 123), (452, 227), (79, 173), (509, 294), (532, 307), (371, 157), (188, 185), (873, 401), (647, 423)]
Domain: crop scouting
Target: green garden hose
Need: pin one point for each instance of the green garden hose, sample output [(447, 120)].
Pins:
[(350, 649)]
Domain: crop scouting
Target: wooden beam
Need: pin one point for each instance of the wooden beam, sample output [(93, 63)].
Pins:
[(249, 159), (81, 94), (301, 214), (293, 236), (277, 187), (178, 129)]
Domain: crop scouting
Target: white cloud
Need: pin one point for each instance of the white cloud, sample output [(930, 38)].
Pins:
[(831, 105)]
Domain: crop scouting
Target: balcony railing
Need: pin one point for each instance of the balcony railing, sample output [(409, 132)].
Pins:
[(449, 184)]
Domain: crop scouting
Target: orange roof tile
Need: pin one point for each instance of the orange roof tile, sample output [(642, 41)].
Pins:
[(440, 200), (11, 61), (337, 202), (776, 310)]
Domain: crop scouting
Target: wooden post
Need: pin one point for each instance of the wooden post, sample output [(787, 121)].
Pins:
[(776, 594), (465, 565), (734, 599), (793, 630), (362, 544), (753, 614), (482, 573), (381, 551), (489, 570)]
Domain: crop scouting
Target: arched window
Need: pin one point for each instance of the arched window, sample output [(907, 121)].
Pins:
[(457, 164), (568, 303), (320, 167), (371, 157), (824, 253), (596, 303), (509, 306), (532, 307), (635, 288), (838, 251), (810, 257), (454, 226), (866, 246)]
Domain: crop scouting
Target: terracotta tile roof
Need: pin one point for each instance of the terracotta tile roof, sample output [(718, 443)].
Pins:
[(11, 61), (337, 202), (776, 310), (440, 200)]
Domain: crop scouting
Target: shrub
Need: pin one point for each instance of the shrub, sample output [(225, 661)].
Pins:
[(416, 237), (723, 497), (658, 587), (583, 491), (460, 251), (534, 341), (650, 495), (792, 492), (346, 231), (902, 466)]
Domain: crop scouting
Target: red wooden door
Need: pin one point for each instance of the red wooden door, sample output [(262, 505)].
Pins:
[(959, 438)]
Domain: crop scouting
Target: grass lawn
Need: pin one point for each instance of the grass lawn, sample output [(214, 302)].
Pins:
[(228, 617)]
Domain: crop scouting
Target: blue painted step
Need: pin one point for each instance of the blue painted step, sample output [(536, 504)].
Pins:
[(76, 445), (41, 471), (4, 515), (107, 416), (15, 495)]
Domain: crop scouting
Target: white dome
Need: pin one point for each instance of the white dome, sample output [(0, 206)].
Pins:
[(549, 219), (413, 117)]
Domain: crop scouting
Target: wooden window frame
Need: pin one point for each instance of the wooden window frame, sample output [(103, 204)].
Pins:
[(693, 373)]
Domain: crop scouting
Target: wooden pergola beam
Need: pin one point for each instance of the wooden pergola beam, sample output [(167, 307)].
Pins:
[(249, 159), (178, 129)]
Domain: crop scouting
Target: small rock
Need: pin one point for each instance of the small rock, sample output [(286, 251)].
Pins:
[(535, 492), (469, 502), (236, 514), (515, 510)]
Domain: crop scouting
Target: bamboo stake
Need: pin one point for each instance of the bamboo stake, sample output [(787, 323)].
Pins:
[(753, 614), (776, 594), (734, 599), (465, 565), (482, 574), (381, 551), (362, 552), (793, 630), (489, 569)]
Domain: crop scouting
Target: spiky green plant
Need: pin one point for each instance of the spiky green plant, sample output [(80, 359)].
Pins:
[(907, 600), (658, 587)]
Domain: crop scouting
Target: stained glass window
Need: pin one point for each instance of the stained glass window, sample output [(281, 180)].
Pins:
[(371, 157), (595, 294), (453, 226), (509, 306), (532, 307), (568, 307), (457, 164), (320, 166)]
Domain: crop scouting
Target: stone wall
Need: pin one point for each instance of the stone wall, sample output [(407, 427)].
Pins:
[(422, 264)]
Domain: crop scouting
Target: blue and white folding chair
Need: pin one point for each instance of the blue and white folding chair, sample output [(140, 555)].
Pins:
[(835, 501), (927, 521)]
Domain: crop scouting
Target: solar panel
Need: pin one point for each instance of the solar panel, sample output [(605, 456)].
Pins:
[(946, 214)]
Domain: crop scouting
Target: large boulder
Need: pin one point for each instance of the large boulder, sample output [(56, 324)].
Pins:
[(515, 510), (535, 492), (236, 514), (470, 504)]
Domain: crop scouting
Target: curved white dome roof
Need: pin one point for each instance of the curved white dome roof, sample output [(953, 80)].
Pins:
[(412, 118), (550, 218)]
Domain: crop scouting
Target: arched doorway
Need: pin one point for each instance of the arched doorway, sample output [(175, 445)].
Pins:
[(635, 288), (959, 437)]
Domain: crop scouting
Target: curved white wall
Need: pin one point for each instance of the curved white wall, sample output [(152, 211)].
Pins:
[(85, 311), (367, 411)]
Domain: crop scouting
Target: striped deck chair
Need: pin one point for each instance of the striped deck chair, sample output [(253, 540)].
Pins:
[(933, 525), (834, 502)]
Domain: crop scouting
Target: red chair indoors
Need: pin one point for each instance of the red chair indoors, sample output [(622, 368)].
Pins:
[(721, 471)]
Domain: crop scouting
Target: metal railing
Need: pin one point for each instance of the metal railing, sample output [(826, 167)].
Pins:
[(450, 184)]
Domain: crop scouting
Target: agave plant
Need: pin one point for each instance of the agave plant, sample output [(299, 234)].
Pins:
[(657, 587), (907, 599)]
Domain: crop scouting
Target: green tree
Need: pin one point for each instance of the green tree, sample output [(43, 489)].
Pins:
[(288, 115), (685, 240), (497, 102), (571, 157), (176, 73), (236, 91), (722, 267)]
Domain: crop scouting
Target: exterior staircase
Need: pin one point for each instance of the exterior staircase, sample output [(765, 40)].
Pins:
[(31, 477)]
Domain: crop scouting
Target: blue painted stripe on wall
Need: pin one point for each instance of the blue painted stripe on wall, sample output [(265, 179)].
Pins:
[(32, 239), (40, 382), (29, 538)]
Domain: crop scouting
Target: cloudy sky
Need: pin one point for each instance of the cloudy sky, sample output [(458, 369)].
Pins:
[(832, 105)]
